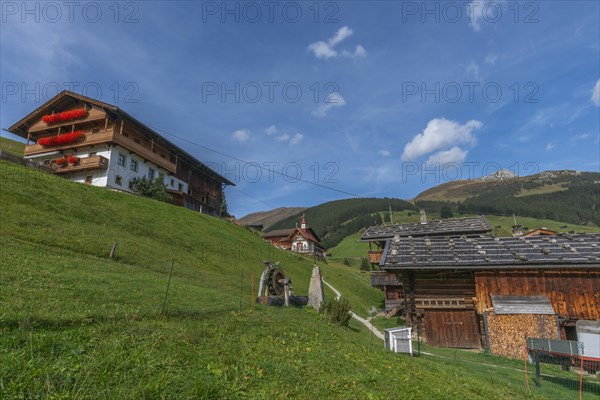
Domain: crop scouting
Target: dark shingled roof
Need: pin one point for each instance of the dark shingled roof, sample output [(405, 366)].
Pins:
[(559, 251), (448, 227)]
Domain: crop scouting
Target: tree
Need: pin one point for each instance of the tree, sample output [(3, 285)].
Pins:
[(386, 217), (336, 311), (446, 212), (155, 189), (346, 261), (365, 265), (224, 212)]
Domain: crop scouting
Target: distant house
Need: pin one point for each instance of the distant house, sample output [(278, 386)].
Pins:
[(540, 231), (378, 236), (478, 291), (96, 143), (298, 240)]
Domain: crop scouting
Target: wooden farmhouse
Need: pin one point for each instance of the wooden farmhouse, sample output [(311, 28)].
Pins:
[(98, 144), (480, 291), (378, 236), (301, 240)]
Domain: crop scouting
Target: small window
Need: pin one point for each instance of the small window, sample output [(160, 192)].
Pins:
[(119, 180), (180, 187), (130, 185), (92, 154), (122, 160), (125, 134), (172, 182), (88, 180), (95, 130), (133, 165), (150, 174)]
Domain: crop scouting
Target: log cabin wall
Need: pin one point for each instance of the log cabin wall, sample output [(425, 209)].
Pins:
[(573, 294)]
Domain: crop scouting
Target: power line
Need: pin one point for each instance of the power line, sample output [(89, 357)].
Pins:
[(256, 164)]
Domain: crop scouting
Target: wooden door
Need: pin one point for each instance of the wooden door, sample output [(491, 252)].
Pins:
[(452, 328)]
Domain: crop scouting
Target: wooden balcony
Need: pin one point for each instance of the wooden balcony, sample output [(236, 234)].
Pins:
[(145, 152), (375, 256), (87, 163), (90, 139), (108, 136)]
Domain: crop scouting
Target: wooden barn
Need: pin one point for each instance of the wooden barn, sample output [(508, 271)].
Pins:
[(473, 292), (378, 236)]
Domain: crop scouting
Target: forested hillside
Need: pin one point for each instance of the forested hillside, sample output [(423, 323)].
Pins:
[(335, 220)]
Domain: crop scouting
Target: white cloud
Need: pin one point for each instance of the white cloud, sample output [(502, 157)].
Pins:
[(441, 134), (271, 130), (384, 153), (491, 59), (550, 146), (358, 52), (297, 138), (327, 50), (453, 155), (475, 9), (596, 93), (241, 135), (331, 101), (282, 138), (473, 68)]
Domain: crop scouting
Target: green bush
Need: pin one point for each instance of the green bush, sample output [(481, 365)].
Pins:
[(336, 311), (154, 189), (346, 261), (365, 265)]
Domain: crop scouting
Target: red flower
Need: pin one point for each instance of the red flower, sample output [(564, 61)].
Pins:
[(72, 159), (66, 138), (64, 116), (60, 161)]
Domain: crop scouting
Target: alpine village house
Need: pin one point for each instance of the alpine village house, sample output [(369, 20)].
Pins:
[(298, 240), (461, 287), (96, 143)]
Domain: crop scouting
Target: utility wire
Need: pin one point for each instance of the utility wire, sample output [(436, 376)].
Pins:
[(256, 164)]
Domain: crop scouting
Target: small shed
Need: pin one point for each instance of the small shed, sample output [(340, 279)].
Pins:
[(588, 333), (398, 340)]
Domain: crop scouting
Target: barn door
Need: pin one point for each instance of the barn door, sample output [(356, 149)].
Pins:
[(452, 328)]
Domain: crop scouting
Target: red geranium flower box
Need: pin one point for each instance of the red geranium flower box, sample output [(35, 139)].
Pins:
[(72, 160), (66, 138), (64, 116), (60, 161)]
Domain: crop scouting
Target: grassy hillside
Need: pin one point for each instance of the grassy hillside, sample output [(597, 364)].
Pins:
[(76, 324), (268, 218), (12, 146), (335, 220)]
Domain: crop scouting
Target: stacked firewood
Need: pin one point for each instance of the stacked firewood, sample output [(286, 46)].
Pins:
[(507, 333)]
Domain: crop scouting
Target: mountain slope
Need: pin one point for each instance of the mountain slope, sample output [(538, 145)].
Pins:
[(76, 324), (569, 196), (268, 218), (334, 220)]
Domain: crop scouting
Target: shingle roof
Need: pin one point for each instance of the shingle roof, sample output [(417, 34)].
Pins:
[(450, 226), (487, 253)]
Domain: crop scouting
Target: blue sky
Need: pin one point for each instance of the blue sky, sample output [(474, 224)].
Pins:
[(367, 98)]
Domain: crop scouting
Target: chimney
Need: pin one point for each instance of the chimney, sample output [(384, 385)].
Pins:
[(517, 231), (423, 216)]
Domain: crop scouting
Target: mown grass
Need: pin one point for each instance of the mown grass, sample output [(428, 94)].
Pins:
[(12, 146), (76, 324)]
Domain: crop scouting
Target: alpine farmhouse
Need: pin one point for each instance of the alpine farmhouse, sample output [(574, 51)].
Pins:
[(96, 143)]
